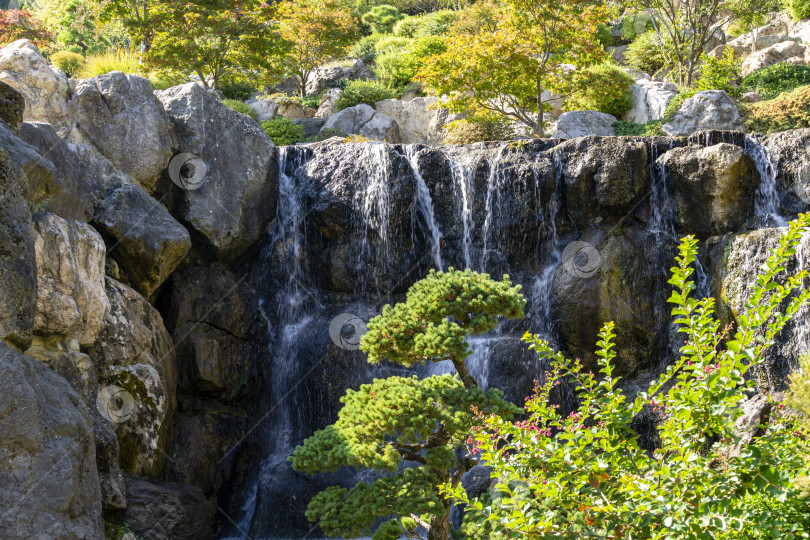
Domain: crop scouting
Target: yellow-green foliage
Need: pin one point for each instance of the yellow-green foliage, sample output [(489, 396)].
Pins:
[(99, 64), (390, 43), (239, 107), (788, 111), (67, 61), (799, 399), (479, 129), (604, 88)]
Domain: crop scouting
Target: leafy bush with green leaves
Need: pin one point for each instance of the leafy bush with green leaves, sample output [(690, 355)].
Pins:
[(390, 43), (799, 399), (365, 49), (381, 19), (99, 64), (790, 110), (407, 27), (239, 107), (676, 102), (771, 81), (647, 53), (397, 68), (240, 89), (793, 510), (602, 87), (368, 92), (799, 9), (720, 73), (632, 129), (480, 17), (436, 23), (697, 482), (636, 24), (283, 132), (67, 61), (163, 81), (603, 35), (479, 128)]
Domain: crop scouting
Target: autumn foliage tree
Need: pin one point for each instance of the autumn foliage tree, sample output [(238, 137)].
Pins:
[(396, 420), (505, 69), (314, 32), (212, 38), (21, 24)]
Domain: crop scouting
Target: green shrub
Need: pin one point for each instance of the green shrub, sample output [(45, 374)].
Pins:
[(771, 81), (635, 25), (368, 92), (397, 68), (381, 19), (790, 110), (720, 73), (676, 102), (482, 16), (283, 132), (480, 128), (603, 87), (312, 100), (436, 23), (239, 107), (652, 128), (408, 27), (391, 43), (793, 510), (68, 62), (799, 9), (647, 53), (603, 35), (164, 81), (238, 89), (285, 99), (365, 49), (99, 64)]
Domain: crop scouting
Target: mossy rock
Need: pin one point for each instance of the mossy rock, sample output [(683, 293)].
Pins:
[(12, 105)]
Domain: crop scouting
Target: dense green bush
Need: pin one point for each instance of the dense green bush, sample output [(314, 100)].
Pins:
[(720, 73), (165, 81), (381, 19), (397, 68), (239, 107), (799, 9), (480, 128), (635, 25), (391, 43), (67, 61), (793, 510), (771, 81), (283, 132), (790, 110), (407, 27), (436, 23), (624, 128), (366, 49), (603, 87), (647, 53), (603, 35), (368, 92), (238, 89)]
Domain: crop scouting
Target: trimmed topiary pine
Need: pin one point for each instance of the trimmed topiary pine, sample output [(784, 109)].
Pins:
[(400, 419)]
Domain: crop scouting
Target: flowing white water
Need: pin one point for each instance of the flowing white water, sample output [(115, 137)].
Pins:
[(425, 204), (493, 185), (463, 170), (766, 203), (373, 200)]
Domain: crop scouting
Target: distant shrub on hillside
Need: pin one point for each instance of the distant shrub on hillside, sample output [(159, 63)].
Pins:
[(646, 53), (771, 81), (239, 107), (283, 132), (481, 128), (390, 43), (603, 87), (366, 49), (381, 19), (368, 92), (67, 61), (99, 64), (788, 111)]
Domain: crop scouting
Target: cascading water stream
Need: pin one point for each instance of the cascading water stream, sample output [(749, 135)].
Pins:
[(425, 205), (492, 187), (766, 203), (463, 171)]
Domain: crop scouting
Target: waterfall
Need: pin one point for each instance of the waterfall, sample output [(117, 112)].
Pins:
[(492, 186), (373, 201), (766, 203), (425, 205), (463, 170)]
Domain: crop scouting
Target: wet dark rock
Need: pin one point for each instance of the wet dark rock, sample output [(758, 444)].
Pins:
[(166, 511)]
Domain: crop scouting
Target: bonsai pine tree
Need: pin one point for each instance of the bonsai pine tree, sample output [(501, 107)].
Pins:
[(396, 420)]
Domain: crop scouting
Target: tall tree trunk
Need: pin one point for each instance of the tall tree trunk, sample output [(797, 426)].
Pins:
[(538, 125), (440, 527)]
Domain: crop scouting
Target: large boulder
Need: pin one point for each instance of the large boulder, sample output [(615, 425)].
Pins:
[(706, 110), (714, 187), (166, 511), (650, 100), (420, 120), (47, 455), (790, 154), (786, 51), (41, 173), (12, 106), (743, 257), (574, 124), (231, 209), (120, 115), (312, 126), (363, 120), (46, 90), (265, 109), (71, 302), (328, 105), (18, 278)]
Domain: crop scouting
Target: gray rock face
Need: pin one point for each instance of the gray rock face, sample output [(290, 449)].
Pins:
[(232, 208), (328, 103), (363, 120), (47, 455), (786, 51), (40, 172), (714, 187), (18, 279), (650, 100), (46, 90), (790, 153), (420, 120), (312, 126), (706, 110), (120, 115), (574, 124), (12, 105), (166, 511), (265, 110), (71, 302)]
